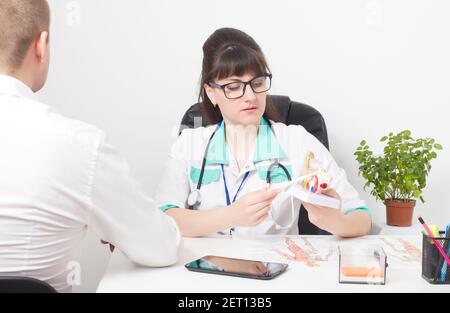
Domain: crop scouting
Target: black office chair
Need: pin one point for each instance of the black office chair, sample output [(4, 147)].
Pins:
[(13, 284), (290, 112)]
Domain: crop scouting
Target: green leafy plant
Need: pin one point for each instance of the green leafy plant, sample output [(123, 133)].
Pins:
[(399, 174)]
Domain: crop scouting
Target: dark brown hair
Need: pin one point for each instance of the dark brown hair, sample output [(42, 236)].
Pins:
[(231, 52)]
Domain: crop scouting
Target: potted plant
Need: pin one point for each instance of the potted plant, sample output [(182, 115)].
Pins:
[(398, 176)]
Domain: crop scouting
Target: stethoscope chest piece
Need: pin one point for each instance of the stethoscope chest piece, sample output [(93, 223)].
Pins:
[(194, 198)]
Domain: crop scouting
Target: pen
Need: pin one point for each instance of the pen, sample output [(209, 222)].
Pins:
[(447, 243), (424, 225), (297, 180)]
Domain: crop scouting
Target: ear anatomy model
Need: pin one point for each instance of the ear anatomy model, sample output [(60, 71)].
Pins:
[(320, 180)]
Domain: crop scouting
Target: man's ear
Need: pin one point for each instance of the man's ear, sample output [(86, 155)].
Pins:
[(210, 94), (40, 46)]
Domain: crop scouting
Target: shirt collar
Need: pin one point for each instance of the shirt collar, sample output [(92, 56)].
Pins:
[(267, 146), (217, 151), (14, 87)]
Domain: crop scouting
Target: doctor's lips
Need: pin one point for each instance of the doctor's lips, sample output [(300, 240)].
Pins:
[(250, 109)]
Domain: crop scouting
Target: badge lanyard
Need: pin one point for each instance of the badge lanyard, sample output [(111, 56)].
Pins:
[(227, 193)]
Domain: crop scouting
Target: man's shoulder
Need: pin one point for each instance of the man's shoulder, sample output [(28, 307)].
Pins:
[(48, 124), (75, 130), (42, 122)]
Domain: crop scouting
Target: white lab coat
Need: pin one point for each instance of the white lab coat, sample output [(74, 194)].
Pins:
[(59, 176), (288, 145)]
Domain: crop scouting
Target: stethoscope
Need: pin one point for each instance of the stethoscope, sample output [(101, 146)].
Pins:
[(195, 197)]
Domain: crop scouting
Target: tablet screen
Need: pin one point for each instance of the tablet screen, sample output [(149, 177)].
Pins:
[(237, 267)]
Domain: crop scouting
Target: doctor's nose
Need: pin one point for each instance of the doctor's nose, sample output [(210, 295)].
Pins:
[(249, 94)]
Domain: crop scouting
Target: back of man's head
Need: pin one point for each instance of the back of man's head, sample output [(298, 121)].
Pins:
[(21, 23)]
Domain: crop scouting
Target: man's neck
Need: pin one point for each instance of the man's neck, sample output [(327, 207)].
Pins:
[(17, 74)]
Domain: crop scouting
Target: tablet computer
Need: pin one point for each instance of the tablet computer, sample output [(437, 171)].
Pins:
[(237, 267)]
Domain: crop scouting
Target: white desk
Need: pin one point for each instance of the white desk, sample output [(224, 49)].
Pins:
[(414, 229), (123, 276)]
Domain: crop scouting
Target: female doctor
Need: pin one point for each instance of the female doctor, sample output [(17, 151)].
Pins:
[(223, 178)]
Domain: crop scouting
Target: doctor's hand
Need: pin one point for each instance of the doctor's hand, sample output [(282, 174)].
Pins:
[(321, 216), (253, 208)]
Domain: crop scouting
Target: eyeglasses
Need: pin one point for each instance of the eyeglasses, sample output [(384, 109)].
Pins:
[(236, 90)]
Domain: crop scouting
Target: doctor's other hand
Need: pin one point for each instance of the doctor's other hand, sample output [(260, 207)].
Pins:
[(322, 216), (252, 208)]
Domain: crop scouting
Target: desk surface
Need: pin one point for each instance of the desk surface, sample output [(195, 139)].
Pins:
[(123, 276)]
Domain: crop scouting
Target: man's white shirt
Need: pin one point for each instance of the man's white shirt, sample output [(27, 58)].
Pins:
[(59, 176)]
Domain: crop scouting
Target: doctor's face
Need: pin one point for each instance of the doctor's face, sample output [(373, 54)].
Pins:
[(241, 99)]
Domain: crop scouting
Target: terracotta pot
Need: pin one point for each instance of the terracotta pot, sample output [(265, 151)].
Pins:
[(399, 212)]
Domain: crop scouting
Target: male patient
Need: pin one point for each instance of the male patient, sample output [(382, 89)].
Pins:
[(57, 175)]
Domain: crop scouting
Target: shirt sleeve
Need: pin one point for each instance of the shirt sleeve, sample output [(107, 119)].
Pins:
[(122, 214), (351, 200)]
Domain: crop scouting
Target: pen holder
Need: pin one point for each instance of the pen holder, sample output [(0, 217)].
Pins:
[(434, 267)]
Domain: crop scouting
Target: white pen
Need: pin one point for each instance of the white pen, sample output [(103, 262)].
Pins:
[(294, 181)]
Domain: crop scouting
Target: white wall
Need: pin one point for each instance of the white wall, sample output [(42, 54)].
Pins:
[(370, 66)]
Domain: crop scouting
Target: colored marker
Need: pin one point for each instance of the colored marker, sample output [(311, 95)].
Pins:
[(444, 266), (424, 225)]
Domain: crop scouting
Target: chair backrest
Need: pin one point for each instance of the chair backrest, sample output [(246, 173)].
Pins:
[(13, 284), (291, 113)]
